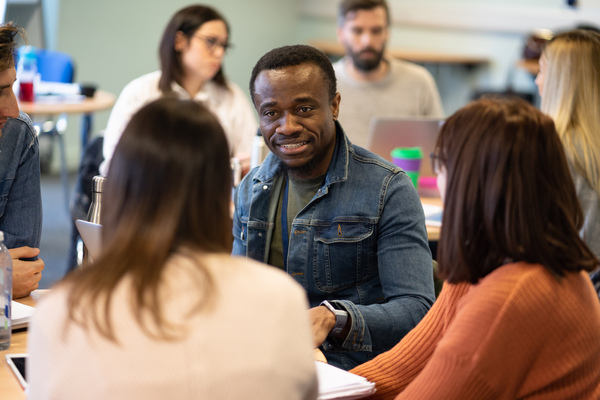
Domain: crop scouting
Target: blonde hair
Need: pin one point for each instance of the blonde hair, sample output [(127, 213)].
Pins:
[(571, 96)]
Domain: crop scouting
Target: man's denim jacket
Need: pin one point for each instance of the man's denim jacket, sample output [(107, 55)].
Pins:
[(360, 243), (20, 197)]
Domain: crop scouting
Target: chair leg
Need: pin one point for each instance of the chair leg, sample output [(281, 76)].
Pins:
[(60, 128)]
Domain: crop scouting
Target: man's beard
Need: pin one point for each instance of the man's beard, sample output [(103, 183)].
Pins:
[(300, 171), (366, 65)]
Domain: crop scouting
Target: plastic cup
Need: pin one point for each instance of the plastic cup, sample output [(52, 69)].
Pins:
[(409, 159)]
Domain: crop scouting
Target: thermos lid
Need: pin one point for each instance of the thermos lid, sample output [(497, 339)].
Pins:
[(98, 183)]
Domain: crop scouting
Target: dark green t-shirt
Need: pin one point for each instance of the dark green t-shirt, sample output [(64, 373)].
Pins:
[(300, 192)]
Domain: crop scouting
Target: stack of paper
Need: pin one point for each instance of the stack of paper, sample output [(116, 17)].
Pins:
[(20, 315), (335, 383), (433, 214)]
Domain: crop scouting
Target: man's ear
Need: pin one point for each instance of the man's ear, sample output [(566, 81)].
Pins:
[(335, 105)]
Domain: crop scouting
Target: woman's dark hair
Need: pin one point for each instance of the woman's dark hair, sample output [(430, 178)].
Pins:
[(187, 21), (509, 193), (168, 190)]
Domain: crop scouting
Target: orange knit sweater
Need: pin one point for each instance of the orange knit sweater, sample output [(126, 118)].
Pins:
[(519, 333)]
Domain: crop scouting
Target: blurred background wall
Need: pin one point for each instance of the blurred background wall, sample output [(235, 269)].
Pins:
[(115, 41)]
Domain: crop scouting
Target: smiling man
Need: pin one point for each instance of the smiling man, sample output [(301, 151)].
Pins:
[(372, 84), (346, 224), (20, 197)]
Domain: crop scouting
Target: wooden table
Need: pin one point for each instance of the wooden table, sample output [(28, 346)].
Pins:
[(433, 232), (57, 112), (9, 386), (531, 66), (101, 101)]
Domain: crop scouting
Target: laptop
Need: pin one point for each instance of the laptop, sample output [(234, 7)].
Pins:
[(387, 133), (91, 234)]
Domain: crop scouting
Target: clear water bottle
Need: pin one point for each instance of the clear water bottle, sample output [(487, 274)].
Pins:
[(6, 294)]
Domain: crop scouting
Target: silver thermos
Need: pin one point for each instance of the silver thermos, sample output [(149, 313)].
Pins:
[(96, 205), (95, 210)]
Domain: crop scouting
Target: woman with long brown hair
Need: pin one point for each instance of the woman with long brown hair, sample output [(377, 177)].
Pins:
[(518, 316), (165, 311)]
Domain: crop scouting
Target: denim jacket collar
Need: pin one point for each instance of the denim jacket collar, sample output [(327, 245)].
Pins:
[(338, 167)]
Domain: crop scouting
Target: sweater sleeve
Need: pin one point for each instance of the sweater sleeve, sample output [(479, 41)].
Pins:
[(393, 370)]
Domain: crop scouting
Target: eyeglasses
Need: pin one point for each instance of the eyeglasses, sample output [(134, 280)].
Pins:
[(212, 43), (436, 162)]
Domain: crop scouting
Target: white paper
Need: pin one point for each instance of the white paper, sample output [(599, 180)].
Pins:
[(433, 214), (20, 314), (335, 383)]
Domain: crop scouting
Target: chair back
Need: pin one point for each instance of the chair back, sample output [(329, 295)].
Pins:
[(55, 66)]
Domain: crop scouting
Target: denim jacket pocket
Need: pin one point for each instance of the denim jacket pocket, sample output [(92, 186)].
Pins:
[(350, 248)]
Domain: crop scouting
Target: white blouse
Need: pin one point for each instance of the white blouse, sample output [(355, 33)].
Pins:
[(231, 107)]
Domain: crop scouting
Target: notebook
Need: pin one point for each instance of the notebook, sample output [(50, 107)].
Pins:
[(385, 134), (91, 234), (20, 315)]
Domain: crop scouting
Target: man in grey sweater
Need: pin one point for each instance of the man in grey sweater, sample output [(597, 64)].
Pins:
[(371, 84)]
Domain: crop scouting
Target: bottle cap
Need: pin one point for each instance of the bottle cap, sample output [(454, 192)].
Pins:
[(407, 152), (98, 183)]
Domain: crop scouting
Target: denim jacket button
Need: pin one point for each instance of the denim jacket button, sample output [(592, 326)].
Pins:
[(265, 187)]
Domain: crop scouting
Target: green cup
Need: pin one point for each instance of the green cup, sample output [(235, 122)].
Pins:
[(409, 159)]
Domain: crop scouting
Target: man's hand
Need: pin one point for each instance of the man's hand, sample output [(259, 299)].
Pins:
[(322, 321), (26, 274)]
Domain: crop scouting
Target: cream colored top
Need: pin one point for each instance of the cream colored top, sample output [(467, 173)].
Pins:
[(231, 107), (253, 342)]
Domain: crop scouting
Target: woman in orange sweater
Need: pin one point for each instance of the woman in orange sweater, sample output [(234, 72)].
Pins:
[(518, 316)]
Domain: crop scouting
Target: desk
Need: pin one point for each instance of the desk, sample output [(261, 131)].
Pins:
[(531, 66), (433, 232), (101, 101), (9, 386)]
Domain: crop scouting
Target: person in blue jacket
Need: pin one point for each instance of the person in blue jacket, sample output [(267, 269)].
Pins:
[(20, 196), (345, 223)]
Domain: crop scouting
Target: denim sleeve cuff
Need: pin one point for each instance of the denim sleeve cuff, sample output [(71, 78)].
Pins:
[(359, 338)]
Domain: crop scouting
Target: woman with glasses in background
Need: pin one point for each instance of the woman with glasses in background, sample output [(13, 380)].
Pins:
[(518, 316), (191, 57)]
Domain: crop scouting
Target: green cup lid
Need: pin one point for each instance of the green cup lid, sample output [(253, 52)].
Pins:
[(407, 152)]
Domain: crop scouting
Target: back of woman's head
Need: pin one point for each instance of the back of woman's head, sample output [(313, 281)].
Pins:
[(187, 21), (168, 190), (509, 195), (571, 96), (170, 180)]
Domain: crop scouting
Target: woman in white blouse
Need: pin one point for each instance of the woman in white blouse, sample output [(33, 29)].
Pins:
[(191, 57), (165, 312)]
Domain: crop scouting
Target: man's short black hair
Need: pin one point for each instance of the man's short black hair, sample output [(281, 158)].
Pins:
[(348, 6), (289, 56)]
